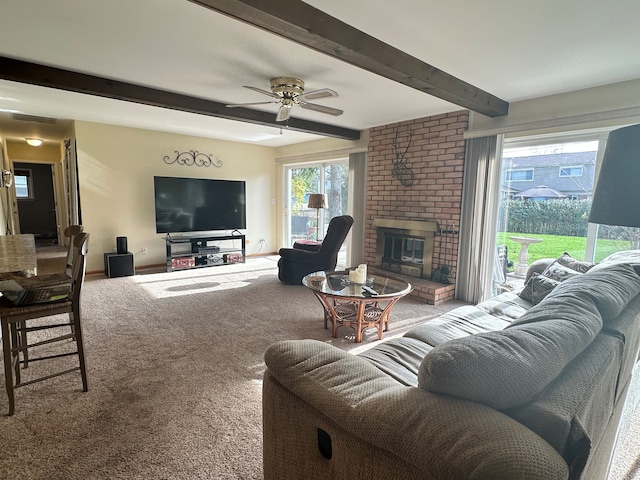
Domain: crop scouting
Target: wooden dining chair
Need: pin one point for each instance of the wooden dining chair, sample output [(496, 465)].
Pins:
[(71, 232), (19, 321)]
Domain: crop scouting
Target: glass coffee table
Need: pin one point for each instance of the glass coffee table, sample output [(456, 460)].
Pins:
[(356, 305)]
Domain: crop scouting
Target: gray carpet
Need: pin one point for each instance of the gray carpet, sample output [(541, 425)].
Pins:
[(175, 368), (175, 365)]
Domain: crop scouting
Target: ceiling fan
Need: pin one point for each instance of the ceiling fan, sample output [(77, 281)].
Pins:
[(289, 91)]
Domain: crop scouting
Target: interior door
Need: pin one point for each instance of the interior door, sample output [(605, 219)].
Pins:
[(36, 201)]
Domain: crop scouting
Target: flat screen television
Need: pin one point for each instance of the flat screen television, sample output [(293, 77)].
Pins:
[(199, 204)]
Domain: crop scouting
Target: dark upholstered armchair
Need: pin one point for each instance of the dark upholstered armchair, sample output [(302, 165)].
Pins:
[(295, 263)]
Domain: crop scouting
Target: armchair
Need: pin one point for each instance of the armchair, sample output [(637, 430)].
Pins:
[(295, 263)]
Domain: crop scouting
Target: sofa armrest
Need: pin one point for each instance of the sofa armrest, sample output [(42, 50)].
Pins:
[(439, 435)]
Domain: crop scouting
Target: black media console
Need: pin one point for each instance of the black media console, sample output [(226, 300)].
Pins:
[(206, 251)]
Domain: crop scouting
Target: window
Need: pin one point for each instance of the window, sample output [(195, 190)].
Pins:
[(522, 175), (552, 214), (23, 181), (571, 171)]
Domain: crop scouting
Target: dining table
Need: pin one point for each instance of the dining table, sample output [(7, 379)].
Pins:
[(18, 254)]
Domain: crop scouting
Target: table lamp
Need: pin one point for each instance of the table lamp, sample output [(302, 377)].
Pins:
[(616, 197), (317, 201)]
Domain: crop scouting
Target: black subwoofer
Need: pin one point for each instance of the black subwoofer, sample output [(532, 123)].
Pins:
[(118, 265)]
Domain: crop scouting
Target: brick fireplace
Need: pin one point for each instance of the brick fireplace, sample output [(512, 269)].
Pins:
[(405, 246), (435, 160)]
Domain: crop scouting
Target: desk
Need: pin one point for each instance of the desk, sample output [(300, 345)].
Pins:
[(347, 305), (17, 253)]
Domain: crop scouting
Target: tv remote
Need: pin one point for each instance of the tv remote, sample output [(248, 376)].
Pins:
[(369, 290)]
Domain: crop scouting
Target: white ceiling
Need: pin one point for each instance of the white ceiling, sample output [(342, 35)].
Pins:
[(515, 50)]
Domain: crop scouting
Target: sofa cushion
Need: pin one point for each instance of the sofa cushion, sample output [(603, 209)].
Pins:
[(459, 322), (509, 368), (506, 369), (399, 358), (631, 257), (503, 369), (611, 288), (538, 287), (507, 306), (573, 411)]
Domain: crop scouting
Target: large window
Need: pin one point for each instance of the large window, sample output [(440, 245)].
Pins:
[(331, 179), (547, 217)]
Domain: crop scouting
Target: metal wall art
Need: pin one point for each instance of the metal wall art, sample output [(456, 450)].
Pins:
[(193, 157), (401, 171)]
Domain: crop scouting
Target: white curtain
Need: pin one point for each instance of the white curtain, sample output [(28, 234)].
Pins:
[(480, 195), (357, 195)]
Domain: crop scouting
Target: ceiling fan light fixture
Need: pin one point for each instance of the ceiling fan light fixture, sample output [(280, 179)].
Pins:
[(34, 142), (289, 92), (287, 86)]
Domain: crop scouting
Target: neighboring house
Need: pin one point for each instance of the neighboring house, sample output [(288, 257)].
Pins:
[(569, 173)]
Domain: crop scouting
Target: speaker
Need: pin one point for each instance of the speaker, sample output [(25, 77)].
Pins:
[(118, 265), (121, 245)]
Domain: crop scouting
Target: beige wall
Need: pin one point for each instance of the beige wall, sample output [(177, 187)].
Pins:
[(592, 108), (116, 166)]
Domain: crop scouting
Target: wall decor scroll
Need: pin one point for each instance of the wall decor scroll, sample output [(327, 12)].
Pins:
[(193, 157), (401, 171)]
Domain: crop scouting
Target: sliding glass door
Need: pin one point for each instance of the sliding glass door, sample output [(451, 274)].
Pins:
[(543, 207), (328, 178)]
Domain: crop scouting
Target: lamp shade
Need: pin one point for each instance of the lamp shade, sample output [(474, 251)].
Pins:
[(616, 198), (317, 200)]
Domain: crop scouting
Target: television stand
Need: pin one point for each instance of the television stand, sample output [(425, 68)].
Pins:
[(184, 253)]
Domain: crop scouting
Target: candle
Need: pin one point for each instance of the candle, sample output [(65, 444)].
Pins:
[(359, 275)]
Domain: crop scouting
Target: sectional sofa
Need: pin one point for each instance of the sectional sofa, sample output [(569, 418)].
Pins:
[(534, 384)]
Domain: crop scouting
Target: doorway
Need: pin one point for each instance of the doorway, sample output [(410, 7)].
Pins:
[(35, 199)]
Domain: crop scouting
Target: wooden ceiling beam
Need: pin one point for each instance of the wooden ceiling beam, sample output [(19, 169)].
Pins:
[(308, 26), (45, 76)]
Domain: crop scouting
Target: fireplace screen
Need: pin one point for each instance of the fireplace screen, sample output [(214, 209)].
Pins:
[(399, 248), (403, 254), (405, 247)]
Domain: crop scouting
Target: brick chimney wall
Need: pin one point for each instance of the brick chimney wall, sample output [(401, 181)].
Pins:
[(436, 156)]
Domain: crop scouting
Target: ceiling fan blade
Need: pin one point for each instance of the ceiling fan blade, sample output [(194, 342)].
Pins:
[(283, 113), (322, 109), (315, 94), (233, 105), (264, 92)]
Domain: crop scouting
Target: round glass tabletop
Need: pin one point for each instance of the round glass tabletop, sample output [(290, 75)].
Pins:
[(337, 283)]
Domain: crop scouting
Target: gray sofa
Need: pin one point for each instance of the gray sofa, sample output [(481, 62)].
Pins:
[(527, 385)]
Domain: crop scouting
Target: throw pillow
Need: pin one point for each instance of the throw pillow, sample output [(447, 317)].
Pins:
[(537, 288), (574, 264), (559, 272)]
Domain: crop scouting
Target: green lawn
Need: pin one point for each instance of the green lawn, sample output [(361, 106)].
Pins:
[(552, 246)]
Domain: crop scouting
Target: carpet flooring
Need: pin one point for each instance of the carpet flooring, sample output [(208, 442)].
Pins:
[(175, 364)]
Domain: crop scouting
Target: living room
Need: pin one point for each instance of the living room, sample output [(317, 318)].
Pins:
[(117, 160)]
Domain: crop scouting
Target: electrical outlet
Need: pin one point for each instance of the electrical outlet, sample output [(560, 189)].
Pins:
[(144, 250)]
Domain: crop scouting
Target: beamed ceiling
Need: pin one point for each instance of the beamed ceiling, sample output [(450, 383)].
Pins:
[(174, 65)]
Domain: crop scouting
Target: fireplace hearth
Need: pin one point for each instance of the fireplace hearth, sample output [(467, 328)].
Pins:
[(405, 246)]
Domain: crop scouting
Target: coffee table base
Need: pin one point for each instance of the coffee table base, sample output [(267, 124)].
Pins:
[(359, 314)]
